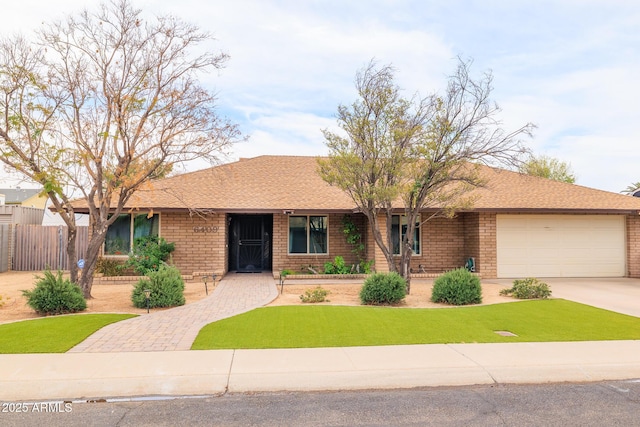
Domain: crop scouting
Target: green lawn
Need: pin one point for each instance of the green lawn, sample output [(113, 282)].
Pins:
[(341, 326), (52, 334)]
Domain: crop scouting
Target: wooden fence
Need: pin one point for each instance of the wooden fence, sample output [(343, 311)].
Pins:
[(5, 250), (37, 247)]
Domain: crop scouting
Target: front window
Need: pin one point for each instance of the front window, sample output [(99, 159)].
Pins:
[(307, 234), (126, 228), (399, 230)]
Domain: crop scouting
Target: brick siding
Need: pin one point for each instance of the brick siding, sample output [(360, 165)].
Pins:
[(201, 243), (337, 243), (200, 240), (633, 246)]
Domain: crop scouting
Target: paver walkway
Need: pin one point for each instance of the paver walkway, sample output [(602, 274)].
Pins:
[(177, 328)]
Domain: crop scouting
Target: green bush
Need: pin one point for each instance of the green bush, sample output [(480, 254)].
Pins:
[(315, 295), (383, 288), (54, 295), (530, 288), (338, 266), (148, 254), (166, 286), (109, 267), (457, 287)]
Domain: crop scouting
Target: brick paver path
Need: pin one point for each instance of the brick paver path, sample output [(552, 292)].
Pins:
[(177, 328)]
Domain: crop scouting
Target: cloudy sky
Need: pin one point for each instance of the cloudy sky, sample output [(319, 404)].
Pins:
[(572, 67)]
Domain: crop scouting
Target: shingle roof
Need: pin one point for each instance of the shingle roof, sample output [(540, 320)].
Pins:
[(507, 190), (276, 183), (18, 195)]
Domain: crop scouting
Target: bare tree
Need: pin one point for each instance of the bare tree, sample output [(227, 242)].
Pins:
[(106, 102), (420, 151)]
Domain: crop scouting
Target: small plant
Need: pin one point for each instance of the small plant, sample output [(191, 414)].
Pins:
[(1, 302), (457, 287), (315, 295), (366, 267), (166, 286), (530, 288), (338, 266), (148, 254), (383, 289), (54, 295), (353, 236), (109, 267)]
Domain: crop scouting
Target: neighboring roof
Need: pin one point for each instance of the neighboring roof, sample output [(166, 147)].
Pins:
[(277, 183), (18, 195)]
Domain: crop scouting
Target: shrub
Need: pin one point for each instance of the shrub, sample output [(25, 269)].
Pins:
[(166, 286), (287, 272), (54, 295), (529, 288), (383, 288), (336, 267), (316, 295), (366, 267), (148, 254), (457, 287), (109, 266)]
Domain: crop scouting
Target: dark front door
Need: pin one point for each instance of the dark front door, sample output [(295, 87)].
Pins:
[(250, 245)]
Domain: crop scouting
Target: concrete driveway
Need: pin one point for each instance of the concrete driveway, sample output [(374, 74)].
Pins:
[(621, 295)]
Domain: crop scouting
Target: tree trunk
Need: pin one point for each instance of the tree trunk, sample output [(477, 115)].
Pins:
[(405, 263), (72, 234), (90, 263)]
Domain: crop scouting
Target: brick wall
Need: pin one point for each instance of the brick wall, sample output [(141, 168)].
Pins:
[(487, 258), (443, 244), (633, 246), (200, 241), (337, 245)]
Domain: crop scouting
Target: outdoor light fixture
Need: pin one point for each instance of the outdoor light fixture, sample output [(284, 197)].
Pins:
[(281, 278), (204, 279), (147, 294), (288, 211)]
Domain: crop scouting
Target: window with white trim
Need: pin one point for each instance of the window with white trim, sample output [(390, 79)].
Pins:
[(399, 230), (308, 234), (126, 228)]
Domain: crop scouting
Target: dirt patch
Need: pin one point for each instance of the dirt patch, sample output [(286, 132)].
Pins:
[(348, 294), (117, 298), (106, 298)]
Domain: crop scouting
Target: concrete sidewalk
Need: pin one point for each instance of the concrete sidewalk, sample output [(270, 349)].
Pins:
[(80, 376)]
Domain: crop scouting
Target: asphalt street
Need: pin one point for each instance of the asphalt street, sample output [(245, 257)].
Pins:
[(584, 404)]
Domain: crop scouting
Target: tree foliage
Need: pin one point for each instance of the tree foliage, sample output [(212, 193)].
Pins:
[(548, 167), (632, 188), (404, 155), (103, 102)]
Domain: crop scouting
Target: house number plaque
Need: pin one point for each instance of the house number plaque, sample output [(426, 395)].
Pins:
[(202, 229)]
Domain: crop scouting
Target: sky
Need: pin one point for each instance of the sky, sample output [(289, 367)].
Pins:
[(571, 67)]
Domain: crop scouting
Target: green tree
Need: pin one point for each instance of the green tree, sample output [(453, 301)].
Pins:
[(548, 167), (416, 151), (635, 186), (102, 102)]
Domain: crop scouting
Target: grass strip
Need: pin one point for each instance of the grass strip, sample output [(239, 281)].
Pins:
[(52, 334), (344, 326)]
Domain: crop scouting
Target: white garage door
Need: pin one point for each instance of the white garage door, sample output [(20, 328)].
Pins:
[(561, 245)]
